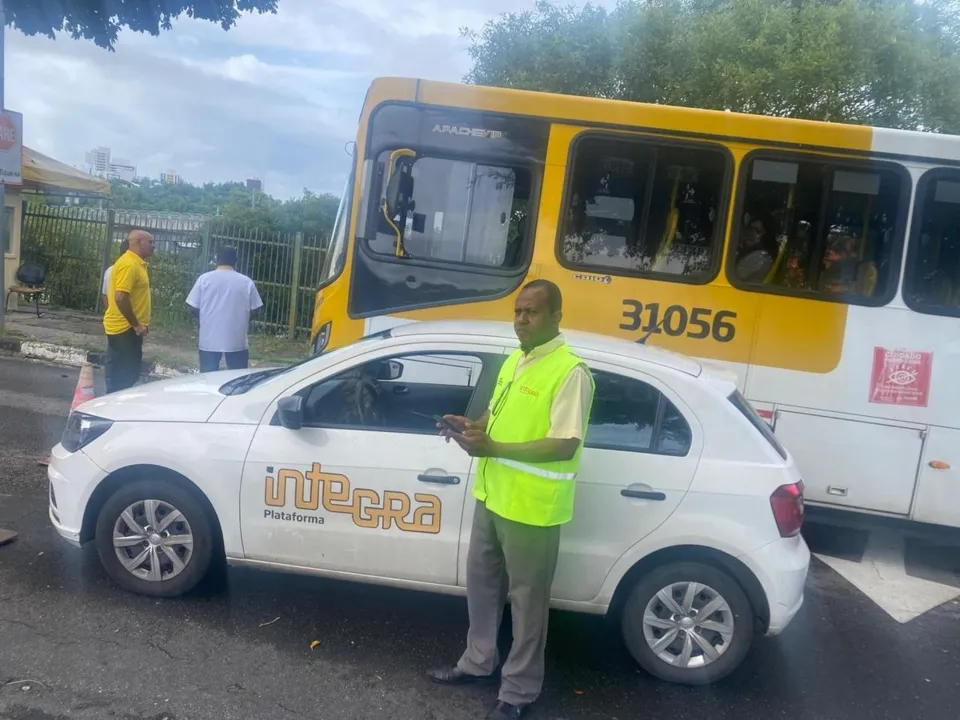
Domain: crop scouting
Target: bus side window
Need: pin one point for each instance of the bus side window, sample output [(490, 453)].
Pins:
[(462, 212), (818, 227), (637, 207), (932, 282)]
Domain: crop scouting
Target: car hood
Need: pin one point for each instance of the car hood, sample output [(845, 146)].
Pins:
[(189, 398)]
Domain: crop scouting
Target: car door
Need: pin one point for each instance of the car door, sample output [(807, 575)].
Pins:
[(641, 453), (367, 486), (642, 449)]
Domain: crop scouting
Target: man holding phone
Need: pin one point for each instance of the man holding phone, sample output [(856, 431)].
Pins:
[(530, 440)]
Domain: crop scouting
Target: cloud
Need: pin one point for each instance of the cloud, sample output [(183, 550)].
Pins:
[(277, 97)]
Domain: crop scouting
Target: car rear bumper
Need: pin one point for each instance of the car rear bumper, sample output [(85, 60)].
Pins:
[(781, 567), (71, 477)]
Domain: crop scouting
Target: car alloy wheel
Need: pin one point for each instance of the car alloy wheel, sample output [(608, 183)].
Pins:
[(688, 622), (688, 625), (153, 540)]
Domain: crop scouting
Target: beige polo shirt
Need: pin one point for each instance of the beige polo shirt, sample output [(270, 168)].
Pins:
[(569, 413)]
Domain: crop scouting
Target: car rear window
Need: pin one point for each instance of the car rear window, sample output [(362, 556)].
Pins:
[(744, 406)]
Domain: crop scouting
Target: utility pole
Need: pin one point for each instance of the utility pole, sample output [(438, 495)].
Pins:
[(3, 225), (6, 536)]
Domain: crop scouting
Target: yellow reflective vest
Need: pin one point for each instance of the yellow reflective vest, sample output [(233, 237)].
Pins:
[(539, 494)]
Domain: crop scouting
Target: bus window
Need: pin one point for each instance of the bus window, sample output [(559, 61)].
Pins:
[(811, 227), (638, 208), (932, 284), (461, 212)]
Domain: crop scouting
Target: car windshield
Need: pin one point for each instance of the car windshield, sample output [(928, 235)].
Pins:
[(244, 383)]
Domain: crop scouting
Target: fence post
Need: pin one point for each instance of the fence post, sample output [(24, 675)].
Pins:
[(105, 256), (205, 246), (295, 284)]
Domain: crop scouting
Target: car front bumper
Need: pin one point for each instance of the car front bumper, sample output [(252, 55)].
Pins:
[(72, 477)]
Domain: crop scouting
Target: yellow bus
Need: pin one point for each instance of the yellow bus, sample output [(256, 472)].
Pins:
[(819, 262)]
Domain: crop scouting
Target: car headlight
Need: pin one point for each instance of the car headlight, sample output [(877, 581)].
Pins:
[(83, 429)]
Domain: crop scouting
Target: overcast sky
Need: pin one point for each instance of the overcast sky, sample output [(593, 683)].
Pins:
[(277, 97)]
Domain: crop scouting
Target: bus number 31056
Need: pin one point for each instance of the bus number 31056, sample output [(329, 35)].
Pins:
[(697, 323)]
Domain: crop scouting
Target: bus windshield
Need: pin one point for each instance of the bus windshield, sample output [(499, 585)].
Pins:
[(337, 251)]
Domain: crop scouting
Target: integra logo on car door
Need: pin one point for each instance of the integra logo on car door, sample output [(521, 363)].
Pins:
[(313, 489), (468, 131)]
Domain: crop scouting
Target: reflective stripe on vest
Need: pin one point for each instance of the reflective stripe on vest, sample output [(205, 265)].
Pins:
[(534, 470), (539, 494)]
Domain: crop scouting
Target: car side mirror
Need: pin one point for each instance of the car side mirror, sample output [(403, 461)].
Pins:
[(290, 410), (391, 370)]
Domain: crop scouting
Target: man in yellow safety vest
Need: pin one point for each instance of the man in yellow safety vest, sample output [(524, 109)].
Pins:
[(529, 441)]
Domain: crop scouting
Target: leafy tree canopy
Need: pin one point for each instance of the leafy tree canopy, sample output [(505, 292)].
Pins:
[(891, 63), (312, 214), (101, 20)]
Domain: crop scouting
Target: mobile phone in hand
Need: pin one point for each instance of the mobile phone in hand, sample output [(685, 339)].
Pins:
[(441, 421), (447, 425)]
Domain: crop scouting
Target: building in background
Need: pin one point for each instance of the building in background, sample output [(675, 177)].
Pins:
[(101, 164), (255, 184), (171, 178)]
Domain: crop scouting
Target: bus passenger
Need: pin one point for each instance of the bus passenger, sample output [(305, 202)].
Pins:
[(757, 249), (840, 263)]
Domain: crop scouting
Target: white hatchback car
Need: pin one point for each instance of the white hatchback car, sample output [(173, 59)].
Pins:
[(688, 510)]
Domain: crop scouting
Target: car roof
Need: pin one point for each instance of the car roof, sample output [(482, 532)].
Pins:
[(577, 339)]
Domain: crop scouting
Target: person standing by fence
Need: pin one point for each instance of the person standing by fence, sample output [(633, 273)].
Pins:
[(127, 319), (224, 301), (105, 287)]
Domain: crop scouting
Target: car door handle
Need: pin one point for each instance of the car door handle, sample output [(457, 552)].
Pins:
[(439, 479), (643, 492), (400, 390)]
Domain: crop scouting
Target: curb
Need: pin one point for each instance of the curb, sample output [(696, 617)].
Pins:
[(75, 357)]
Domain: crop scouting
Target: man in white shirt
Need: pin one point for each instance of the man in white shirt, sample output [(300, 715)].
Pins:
[(224, 301)]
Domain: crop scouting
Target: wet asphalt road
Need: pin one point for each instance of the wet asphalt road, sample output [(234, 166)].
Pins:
[(72, 645)]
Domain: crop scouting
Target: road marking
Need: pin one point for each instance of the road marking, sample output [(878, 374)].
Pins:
[(882, 576)]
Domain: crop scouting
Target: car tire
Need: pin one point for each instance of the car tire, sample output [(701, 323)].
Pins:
[(159, 575), (647, 622)]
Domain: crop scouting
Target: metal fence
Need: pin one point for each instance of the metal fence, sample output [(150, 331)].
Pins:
[(75, 245)]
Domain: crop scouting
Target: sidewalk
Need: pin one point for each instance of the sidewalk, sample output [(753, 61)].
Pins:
[(69, 337)]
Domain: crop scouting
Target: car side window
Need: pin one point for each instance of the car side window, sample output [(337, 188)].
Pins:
[(629, 414), (397, 394)]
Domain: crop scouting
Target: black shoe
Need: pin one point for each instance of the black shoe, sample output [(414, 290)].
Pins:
[(455, 676), (506, 711)]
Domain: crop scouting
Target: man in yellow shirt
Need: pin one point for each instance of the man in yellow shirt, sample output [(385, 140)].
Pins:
[(127, 319)]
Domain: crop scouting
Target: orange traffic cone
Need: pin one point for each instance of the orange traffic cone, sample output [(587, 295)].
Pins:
[(84, 391)]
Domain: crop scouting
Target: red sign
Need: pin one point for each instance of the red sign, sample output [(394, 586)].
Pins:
[(901, 377), (8, 133)]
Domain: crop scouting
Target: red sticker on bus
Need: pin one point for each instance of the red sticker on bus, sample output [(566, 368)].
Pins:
[(901, 377)]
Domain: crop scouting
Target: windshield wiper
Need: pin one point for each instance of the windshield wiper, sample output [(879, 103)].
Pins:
[(242, 384)]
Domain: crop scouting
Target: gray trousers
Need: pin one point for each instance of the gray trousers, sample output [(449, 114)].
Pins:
[(507, 556)]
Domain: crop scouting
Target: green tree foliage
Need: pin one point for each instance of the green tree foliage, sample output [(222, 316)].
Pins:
[(101, 20), (312, 214), (892, 63)]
